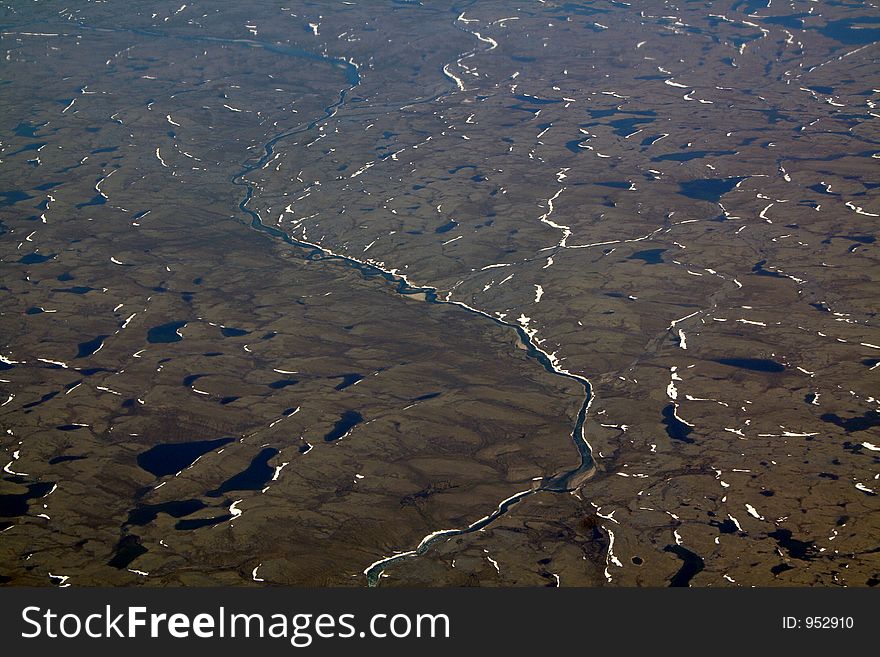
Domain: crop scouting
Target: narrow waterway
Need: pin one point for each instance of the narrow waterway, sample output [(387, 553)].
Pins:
[(562, 482)]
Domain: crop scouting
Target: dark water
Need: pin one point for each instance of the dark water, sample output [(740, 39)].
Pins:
[(750, 6), (860, 239), (537, 101), (35, 258), (65, 459), (97, 199), (857, 423), (192, 378), (855, 448), (803, 550), (198, 523), (675, 428), (708, 189), (16, 504), (728, 526), (91, 370), (627, 127), (170, 458), (445, 228), (687, 156), (650, 140), (255, 477), (30, 147), (76, 289), (519, 106), (229, 332), (575, 144), (165, 333), (650, 256), (283, 383), (852, 31), (127, 550), (692, 565), (781, 568), (147, 513), (348, 380), (753, 364), (41, 400), (90, 346), (758, 270), (348, 420), (792, 21), (27, 129), (12, 197)]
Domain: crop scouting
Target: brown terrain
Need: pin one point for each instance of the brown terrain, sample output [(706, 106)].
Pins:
[(456, 218)]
